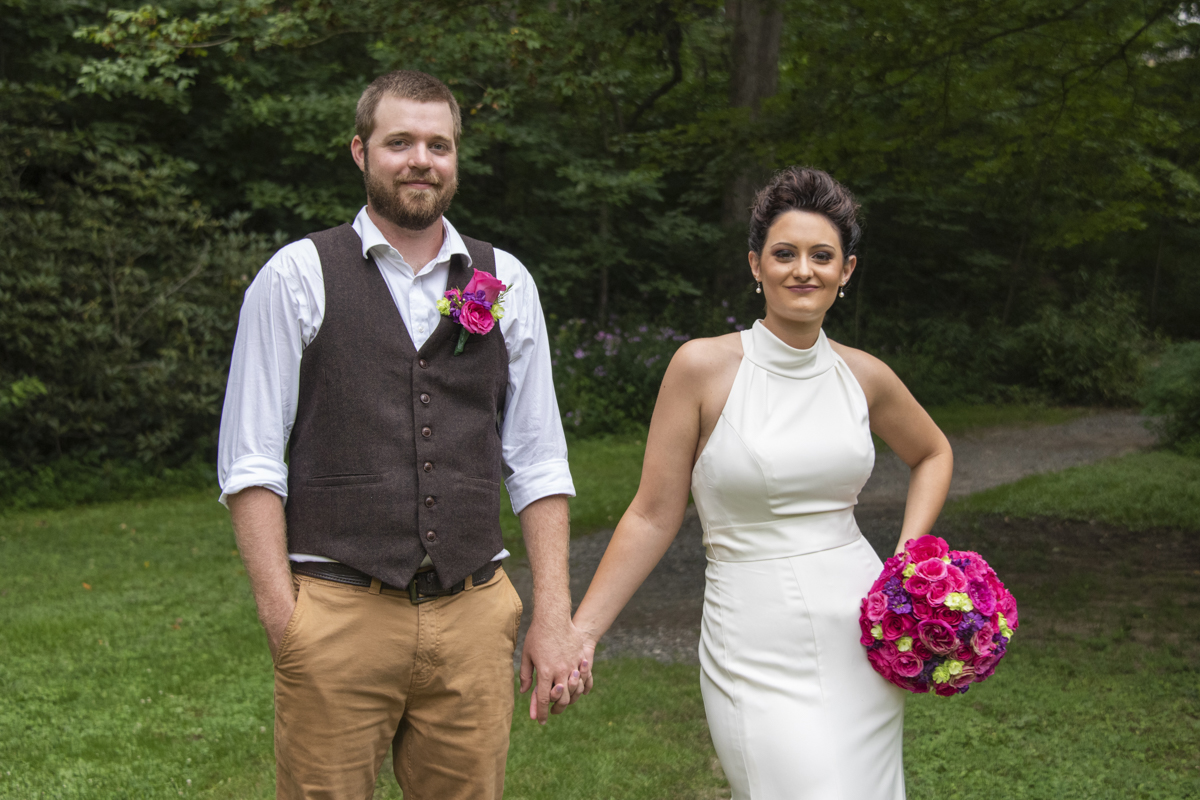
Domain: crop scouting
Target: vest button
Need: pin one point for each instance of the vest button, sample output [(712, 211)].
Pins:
[(425, 398), (427, 466), (429, 502), (422, 363), (430, 536), (426, 432)]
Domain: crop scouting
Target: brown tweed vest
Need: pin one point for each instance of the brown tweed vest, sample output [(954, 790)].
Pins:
[(395, 453)]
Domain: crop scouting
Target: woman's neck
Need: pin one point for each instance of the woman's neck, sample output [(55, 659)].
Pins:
[(800, 335)]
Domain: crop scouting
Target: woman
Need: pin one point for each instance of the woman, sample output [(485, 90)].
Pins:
[(770, 430)]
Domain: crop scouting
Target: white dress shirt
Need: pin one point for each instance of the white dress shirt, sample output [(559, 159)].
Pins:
[(282, 313)]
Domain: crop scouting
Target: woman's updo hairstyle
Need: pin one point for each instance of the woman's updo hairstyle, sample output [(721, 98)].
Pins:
[(805, 189)]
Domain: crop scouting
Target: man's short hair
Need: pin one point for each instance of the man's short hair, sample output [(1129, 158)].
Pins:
[(406, 84)]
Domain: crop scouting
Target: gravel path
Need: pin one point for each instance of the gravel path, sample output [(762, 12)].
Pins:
[(663, 619)]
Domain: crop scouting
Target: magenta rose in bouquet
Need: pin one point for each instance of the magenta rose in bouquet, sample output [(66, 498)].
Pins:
[(937, 619)]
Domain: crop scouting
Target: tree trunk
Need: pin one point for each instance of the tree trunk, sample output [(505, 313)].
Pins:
[(757, 26)]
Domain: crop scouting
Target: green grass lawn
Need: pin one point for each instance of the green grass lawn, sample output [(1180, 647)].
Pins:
[(133, 667), (1079, 720), (158, 675), (1141, 490), (606, 472), (957, 419), (961, 418), (131, 661)]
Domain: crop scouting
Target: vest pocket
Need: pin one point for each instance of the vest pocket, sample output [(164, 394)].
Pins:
[(345, 480)]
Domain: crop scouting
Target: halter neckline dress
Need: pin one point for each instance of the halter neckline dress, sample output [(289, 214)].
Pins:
[(795, 709)]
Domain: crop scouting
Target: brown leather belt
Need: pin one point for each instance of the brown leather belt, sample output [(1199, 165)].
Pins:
[(424, 586)]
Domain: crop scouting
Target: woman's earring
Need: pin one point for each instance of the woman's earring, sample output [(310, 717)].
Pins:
[(758, 289), (842, 290)]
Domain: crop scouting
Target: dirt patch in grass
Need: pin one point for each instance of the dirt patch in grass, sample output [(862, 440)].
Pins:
[(1087, 581), (1094, 581)]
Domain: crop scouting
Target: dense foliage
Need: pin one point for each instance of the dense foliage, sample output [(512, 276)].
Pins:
[(1173, 393), (1029, 172)]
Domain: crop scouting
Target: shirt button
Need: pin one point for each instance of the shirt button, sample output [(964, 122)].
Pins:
[(421, 328), (430, 536), (429, 502), (427, 466), (426, 431), (425, 398), (422, 363)]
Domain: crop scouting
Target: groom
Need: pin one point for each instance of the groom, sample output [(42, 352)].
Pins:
[(373, 548)]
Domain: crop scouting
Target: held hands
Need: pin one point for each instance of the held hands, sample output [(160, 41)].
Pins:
[(562, 658)]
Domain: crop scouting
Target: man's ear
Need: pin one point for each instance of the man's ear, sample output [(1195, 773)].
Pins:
[(358, 149)]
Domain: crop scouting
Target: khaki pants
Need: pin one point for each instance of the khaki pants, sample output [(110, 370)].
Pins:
[(359, 671)]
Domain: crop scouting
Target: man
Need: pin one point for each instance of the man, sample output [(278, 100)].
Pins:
[(374, 551)]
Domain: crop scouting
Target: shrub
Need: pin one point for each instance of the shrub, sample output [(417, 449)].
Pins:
[(65, 482), (945, 362), (1172, 392), (120, 299), (607, 379), (1092, 352)]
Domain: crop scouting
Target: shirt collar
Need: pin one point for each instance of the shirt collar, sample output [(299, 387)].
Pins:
[(372, 237)]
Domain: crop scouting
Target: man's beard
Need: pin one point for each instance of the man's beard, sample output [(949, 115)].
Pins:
[(405, 208)]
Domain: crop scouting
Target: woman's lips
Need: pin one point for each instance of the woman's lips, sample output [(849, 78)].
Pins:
[(802, 289)]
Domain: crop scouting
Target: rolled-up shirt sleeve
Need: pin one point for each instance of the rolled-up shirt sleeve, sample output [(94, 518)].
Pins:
[(275, 323), (531, 435)]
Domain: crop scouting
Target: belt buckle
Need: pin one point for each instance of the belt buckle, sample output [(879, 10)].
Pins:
[(415, 597)]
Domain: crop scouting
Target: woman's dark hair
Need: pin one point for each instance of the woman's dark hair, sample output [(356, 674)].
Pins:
[(805, 189)]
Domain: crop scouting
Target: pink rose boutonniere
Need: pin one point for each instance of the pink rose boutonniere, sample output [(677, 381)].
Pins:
[(476, 307)]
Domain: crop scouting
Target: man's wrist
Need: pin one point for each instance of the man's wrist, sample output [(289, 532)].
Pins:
[(554, 613)]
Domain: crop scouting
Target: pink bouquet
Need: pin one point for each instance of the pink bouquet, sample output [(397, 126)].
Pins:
[(937, 618)]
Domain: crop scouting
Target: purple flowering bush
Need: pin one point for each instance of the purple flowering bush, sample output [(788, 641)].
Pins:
[(607, 378)]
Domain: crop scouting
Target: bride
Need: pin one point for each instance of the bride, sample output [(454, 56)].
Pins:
[(770, 431)]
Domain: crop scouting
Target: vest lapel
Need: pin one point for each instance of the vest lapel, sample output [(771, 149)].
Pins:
[(447, 328), (380, 289)]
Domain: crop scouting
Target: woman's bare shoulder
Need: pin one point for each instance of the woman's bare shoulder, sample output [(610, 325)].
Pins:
[(872, 374), (700, 357)]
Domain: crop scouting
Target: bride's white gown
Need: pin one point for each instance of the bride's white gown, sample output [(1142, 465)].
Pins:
[(795, 709)]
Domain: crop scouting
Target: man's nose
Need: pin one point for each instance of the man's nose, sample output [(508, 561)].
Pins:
[(418, 156)]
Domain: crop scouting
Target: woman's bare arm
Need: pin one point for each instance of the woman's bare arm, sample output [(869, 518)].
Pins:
[(693, 391), (899, 420)]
